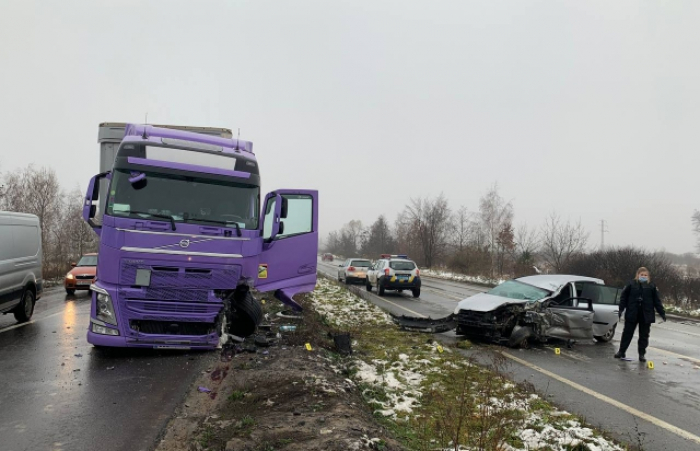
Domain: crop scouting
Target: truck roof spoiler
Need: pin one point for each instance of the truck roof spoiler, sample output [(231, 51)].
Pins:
[(115, 132)]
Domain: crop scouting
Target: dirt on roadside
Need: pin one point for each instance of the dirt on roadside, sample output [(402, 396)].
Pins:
[(281, 397)]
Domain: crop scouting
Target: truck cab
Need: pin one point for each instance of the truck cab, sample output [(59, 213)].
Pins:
[(183, 238)]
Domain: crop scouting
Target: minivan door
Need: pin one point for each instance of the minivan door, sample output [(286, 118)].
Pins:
[(569, 318), (287, 263), (605, 305)]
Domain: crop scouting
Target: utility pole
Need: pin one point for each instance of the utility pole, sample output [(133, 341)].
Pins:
[(603, 230)]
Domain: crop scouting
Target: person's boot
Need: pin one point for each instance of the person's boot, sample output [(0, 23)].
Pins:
[(642, 358), (619, 355)]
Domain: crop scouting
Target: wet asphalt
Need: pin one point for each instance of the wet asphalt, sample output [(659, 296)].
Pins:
[(649, 408), (60, 393)]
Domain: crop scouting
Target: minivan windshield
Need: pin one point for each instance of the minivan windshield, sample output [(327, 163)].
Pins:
[(512, 289), (184, 199), (87, 260)]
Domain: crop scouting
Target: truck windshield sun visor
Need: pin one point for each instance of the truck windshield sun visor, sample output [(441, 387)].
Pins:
[(179, 198)]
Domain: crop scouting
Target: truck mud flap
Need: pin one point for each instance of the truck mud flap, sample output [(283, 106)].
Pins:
[(427, 325)]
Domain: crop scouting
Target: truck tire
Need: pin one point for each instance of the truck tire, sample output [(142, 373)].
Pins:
[(24, 311), (246, 315), (607, 337), (70, 291)]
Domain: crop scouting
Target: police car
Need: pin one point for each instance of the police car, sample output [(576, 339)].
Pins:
[(394, 272)]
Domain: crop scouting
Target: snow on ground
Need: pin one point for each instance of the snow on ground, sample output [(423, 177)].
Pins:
[(682, 311), (447, 275), (394, 385)]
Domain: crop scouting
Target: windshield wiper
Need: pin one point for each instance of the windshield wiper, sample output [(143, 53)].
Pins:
[(156, 215), (226, 223)]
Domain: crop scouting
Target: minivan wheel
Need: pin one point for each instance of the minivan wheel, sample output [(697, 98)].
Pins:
[(23, 312), (607, 337), (380, 289), (70, 291), (416, 292), (368, 286)]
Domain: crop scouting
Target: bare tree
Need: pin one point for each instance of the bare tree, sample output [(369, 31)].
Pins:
[(64, 235), (431, 220), (561, 241), (527, 243), (379, 239), (696, 228), (495, 213), (462, 228)]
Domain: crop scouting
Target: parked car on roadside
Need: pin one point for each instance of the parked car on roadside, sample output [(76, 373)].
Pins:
[(82, 275), (535, 308), (21, 281), (353, 270), (394, 272)]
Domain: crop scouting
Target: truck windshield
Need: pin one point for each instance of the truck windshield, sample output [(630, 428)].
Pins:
[(184, 199)]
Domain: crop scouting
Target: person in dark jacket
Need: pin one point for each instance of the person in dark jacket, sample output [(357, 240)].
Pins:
[(638, 301)]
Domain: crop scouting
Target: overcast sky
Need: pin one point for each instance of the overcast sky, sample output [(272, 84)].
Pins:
[(589, 109)]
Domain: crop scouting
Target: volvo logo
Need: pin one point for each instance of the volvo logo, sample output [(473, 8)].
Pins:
[(184, 243)]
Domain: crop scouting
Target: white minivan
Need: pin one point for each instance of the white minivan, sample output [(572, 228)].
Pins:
[(21, 283)]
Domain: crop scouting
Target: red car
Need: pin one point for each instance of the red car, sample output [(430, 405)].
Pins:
[(82, 275), (327, 257)]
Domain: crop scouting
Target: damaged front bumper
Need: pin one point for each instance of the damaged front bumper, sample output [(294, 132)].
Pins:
[(428, 325)]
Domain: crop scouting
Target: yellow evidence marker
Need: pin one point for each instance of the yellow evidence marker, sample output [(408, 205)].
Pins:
[(439, 348), (308, 347), (557, 351), (650, 365)]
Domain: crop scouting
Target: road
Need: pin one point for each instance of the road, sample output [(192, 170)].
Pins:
[(658, 408), (60, 393)]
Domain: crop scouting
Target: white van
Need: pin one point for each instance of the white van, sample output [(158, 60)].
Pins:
[(20, 264)]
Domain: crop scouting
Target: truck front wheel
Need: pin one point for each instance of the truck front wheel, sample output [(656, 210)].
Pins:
[(246, 314)]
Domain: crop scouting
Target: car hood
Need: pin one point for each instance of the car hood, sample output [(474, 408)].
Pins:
[(484, 302), (83, 271)]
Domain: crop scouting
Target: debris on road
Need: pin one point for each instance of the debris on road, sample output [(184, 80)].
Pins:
[(394, 385)]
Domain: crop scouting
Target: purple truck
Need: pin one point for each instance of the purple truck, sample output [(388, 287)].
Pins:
[(183, 239)]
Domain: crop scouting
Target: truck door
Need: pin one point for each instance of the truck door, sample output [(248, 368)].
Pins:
[(287, 263)]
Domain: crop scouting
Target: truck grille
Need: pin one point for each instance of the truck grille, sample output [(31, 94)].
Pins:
[(172, 294), (171, 327), (165, 275), (172, 307)]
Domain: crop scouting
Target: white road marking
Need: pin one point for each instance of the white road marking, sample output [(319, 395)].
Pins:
[(679, 331), (17, 326), (680, 356), (631, 410), (401, 307)]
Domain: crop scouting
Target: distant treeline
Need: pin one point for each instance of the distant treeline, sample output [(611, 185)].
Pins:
[(64, 234), (485, 243)]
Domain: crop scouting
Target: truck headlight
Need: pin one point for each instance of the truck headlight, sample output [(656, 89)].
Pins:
[(102, 330), (104, 309)]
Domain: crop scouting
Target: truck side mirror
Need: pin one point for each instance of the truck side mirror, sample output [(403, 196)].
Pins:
[(281, 229), (283, 211), (138, 180), (91, 198)]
